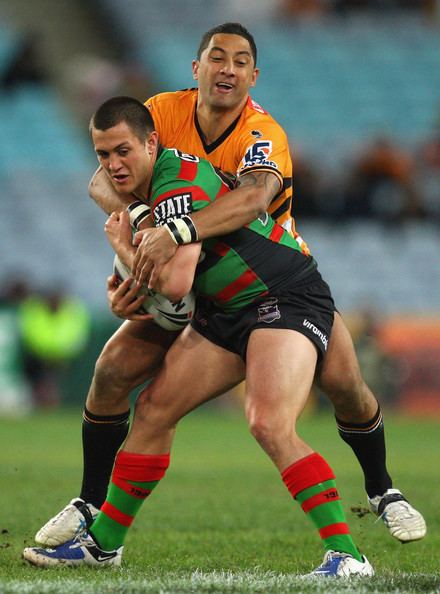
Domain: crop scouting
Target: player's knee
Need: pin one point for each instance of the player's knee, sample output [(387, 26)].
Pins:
[(259, 429), (151, 412), (265, 428), (143, 409), (109, 370), (113, 368)]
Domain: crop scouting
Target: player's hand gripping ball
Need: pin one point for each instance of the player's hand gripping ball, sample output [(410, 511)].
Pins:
[(168, 315)]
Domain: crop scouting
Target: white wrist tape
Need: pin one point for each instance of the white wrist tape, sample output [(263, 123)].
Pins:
[(138, 211), (182, 230)]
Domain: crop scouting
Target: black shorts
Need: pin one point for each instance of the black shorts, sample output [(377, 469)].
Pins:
[(308, 310)]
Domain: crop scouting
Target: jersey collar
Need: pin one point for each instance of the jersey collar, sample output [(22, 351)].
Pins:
[(209, 148)]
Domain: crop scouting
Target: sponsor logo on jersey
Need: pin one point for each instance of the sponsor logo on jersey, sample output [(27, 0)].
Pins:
[(258, 154), (172, 207), (256, 133), (186, 156), (322, 337), (268, 311)]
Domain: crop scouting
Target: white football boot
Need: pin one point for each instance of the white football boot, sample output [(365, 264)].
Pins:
[(403, 521), (341, 565), (67, 524)]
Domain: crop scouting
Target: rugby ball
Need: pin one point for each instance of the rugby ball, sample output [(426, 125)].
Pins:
[(168, 315)]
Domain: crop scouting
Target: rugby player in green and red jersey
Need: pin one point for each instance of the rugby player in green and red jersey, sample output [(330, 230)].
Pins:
[(264, 313), (218, 121)]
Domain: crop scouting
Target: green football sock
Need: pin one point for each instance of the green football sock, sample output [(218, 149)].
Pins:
[(134, 477), (311, 481)]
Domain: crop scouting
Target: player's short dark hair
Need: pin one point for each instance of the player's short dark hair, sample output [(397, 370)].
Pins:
[(123, 109), (230, 29)]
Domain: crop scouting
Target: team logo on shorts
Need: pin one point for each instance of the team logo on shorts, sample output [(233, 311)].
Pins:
[(202, 321), (268, 311)]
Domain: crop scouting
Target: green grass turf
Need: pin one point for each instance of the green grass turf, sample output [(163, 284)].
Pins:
[(221, 520)]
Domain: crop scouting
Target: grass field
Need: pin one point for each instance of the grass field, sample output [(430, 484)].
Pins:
[(221, 521)]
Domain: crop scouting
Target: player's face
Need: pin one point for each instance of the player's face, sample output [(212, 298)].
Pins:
[(225, 71), (125, 158)]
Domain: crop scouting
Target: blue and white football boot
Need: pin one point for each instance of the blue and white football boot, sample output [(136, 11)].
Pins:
[(81, 550), (341, 565)]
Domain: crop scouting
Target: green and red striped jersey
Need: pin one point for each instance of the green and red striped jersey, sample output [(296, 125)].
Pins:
[(237, 268)]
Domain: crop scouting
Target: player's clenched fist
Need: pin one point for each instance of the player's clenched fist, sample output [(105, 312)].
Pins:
[(123, 299)]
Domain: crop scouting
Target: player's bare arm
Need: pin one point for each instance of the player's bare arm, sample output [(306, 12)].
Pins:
[(104, 194), (174, 282), (119, 233), (123, 297), (177, 275), (247, 202), (244, 204)]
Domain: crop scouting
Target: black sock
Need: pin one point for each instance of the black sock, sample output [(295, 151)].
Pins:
[(102, 437), (367, 440)]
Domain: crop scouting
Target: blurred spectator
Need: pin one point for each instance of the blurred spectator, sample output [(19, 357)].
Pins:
[(304, 9), (317, 192), (430, 152), (385, 182), (15, 397), (55, 330), (15, 290), (306, 183), (432, 10), (26, 66), (344, 6), (382, 185), (428, 174)]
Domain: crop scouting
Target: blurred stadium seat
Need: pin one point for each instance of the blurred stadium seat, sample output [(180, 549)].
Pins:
[(389, 269), (40, 131), (8, 40), (49, 230)]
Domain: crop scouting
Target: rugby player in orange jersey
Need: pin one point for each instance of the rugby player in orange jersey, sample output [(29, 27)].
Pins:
[(221, 123), (254, 288)]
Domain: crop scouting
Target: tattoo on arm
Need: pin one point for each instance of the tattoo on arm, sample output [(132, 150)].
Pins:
[(269, 182)]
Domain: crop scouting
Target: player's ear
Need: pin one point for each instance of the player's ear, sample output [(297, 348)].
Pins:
[(151, 142), (254, 77), (195, 69)]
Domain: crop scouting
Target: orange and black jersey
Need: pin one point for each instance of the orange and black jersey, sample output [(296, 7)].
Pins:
[(258, 259), (253, 142)]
